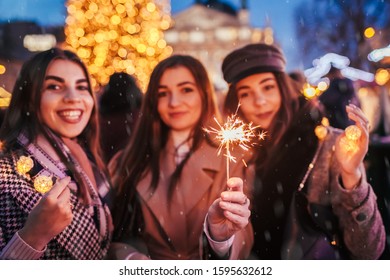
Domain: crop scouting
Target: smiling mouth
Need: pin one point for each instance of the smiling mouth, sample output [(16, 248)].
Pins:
[(71, 116)]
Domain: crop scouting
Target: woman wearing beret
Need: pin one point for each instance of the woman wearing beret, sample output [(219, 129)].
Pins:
[(52, 187), (310, 197), (169, 176)]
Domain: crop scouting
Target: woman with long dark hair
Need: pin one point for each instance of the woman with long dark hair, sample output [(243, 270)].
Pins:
[(52, 184), (310, 197), (170, 176)]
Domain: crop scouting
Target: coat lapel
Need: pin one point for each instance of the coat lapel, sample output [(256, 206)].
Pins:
[(196, 180), (200, 174)]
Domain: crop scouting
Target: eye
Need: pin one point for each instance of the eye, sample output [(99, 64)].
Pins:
[(83, 87), (243, 94), (162, 93), (53, 87), (187, 90), (269, 87)]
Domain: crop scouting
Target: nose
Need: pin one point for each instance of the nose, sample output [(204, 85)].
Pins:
[(174, 99), (71, 96), (260, 99)]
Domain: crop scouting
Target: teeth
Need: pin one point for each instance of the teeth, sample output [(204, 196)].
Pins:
[(70, 114)]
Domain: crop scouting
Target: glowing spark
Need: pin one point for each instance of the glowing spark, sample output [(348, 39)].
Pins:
[(234, 132)]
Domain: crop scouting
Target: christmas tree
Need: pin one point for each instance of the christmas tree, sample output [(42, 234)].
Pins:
[(118, 36)]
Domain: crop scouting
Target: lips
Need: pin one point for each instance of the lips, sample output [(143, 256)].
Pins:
[(174, 115), (70, 116), (264, 115)]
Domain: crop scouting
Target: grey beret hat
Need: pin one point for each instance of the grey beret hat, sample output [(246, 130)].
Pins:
[(251, 59)]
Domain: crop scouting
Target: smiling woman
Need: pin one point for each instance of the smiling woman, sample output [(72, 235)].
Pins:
[(50, 198), (169, 176), (66, 103)]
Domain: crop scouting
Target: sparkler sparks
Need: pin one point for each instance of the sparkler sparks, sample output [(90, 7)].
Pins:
[(234, 132)]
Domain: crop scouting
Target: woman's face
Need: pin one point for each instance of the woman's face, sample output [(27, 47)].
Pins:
[(179, 100), (66, 103), (260, 98)]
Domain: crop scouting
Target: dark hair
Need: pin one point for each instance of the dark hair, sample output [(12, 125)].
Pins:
[(23, 113), (151, 134), (120, 94)]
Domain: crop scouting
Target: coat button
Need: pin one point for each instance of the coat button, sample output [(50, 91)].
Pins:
[(361, 217)]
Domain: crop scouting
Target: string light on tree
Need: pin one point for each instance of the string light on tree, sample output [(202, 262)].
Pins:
[(118, 36)]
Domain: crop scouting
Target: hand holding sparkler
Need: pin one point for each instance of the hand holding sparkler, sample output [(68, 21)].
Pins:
[(229, 213), (352, 146)]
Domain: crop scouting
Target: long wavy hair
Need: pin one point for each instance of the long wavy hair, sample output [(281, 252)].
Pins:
[(24, 114), (142, 154)]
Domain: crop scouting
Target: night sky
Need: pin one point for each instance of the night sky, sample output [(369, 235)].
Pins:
[(278, 12)]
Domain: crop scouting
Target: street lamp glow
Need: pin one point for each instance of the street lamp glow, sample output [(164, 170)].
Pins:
[(369, 32)]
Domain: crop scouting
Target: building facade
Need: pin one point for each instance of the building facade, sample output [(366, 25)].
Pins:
[(209, 30)]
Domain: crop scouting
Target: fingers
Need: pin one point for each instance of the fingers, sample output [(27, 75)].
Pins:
[(60, 195), (235, 191), (235, 184), (59, 187), (236, 213), (357, 115)]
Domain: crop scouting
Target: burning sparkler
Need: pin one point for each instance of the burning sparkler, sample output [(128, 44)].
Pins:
[(234, 132)]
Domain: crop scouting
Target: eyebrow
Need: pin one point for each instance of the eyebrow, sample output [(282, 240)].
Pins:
[(179, 84), (61, 80), (261, 82)]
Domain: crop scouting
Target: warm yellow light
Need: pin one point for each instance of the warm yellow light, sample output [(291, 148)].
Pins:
[(309, 91), (120, 8), (141, 48), (382, 76), (150, 51), (369, 32), (122, 52), (165, 24), (89, 14), (363, 92), (118, 35), (161, 43), (115, 19), (353, 132), (151, 7), (322, 86), (71, 9), (83, 41), (79, 32), (93, 7), (43, 184), (269, 40), (2, 69), (24, 165), (99, 37)]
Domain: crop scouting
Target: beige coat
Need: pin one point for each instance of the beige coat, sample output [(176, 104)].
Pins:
[(173, 226)]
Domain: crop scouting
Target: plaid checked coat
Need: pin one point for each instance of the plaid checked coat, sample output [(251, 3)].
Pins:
[(84, 238)]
